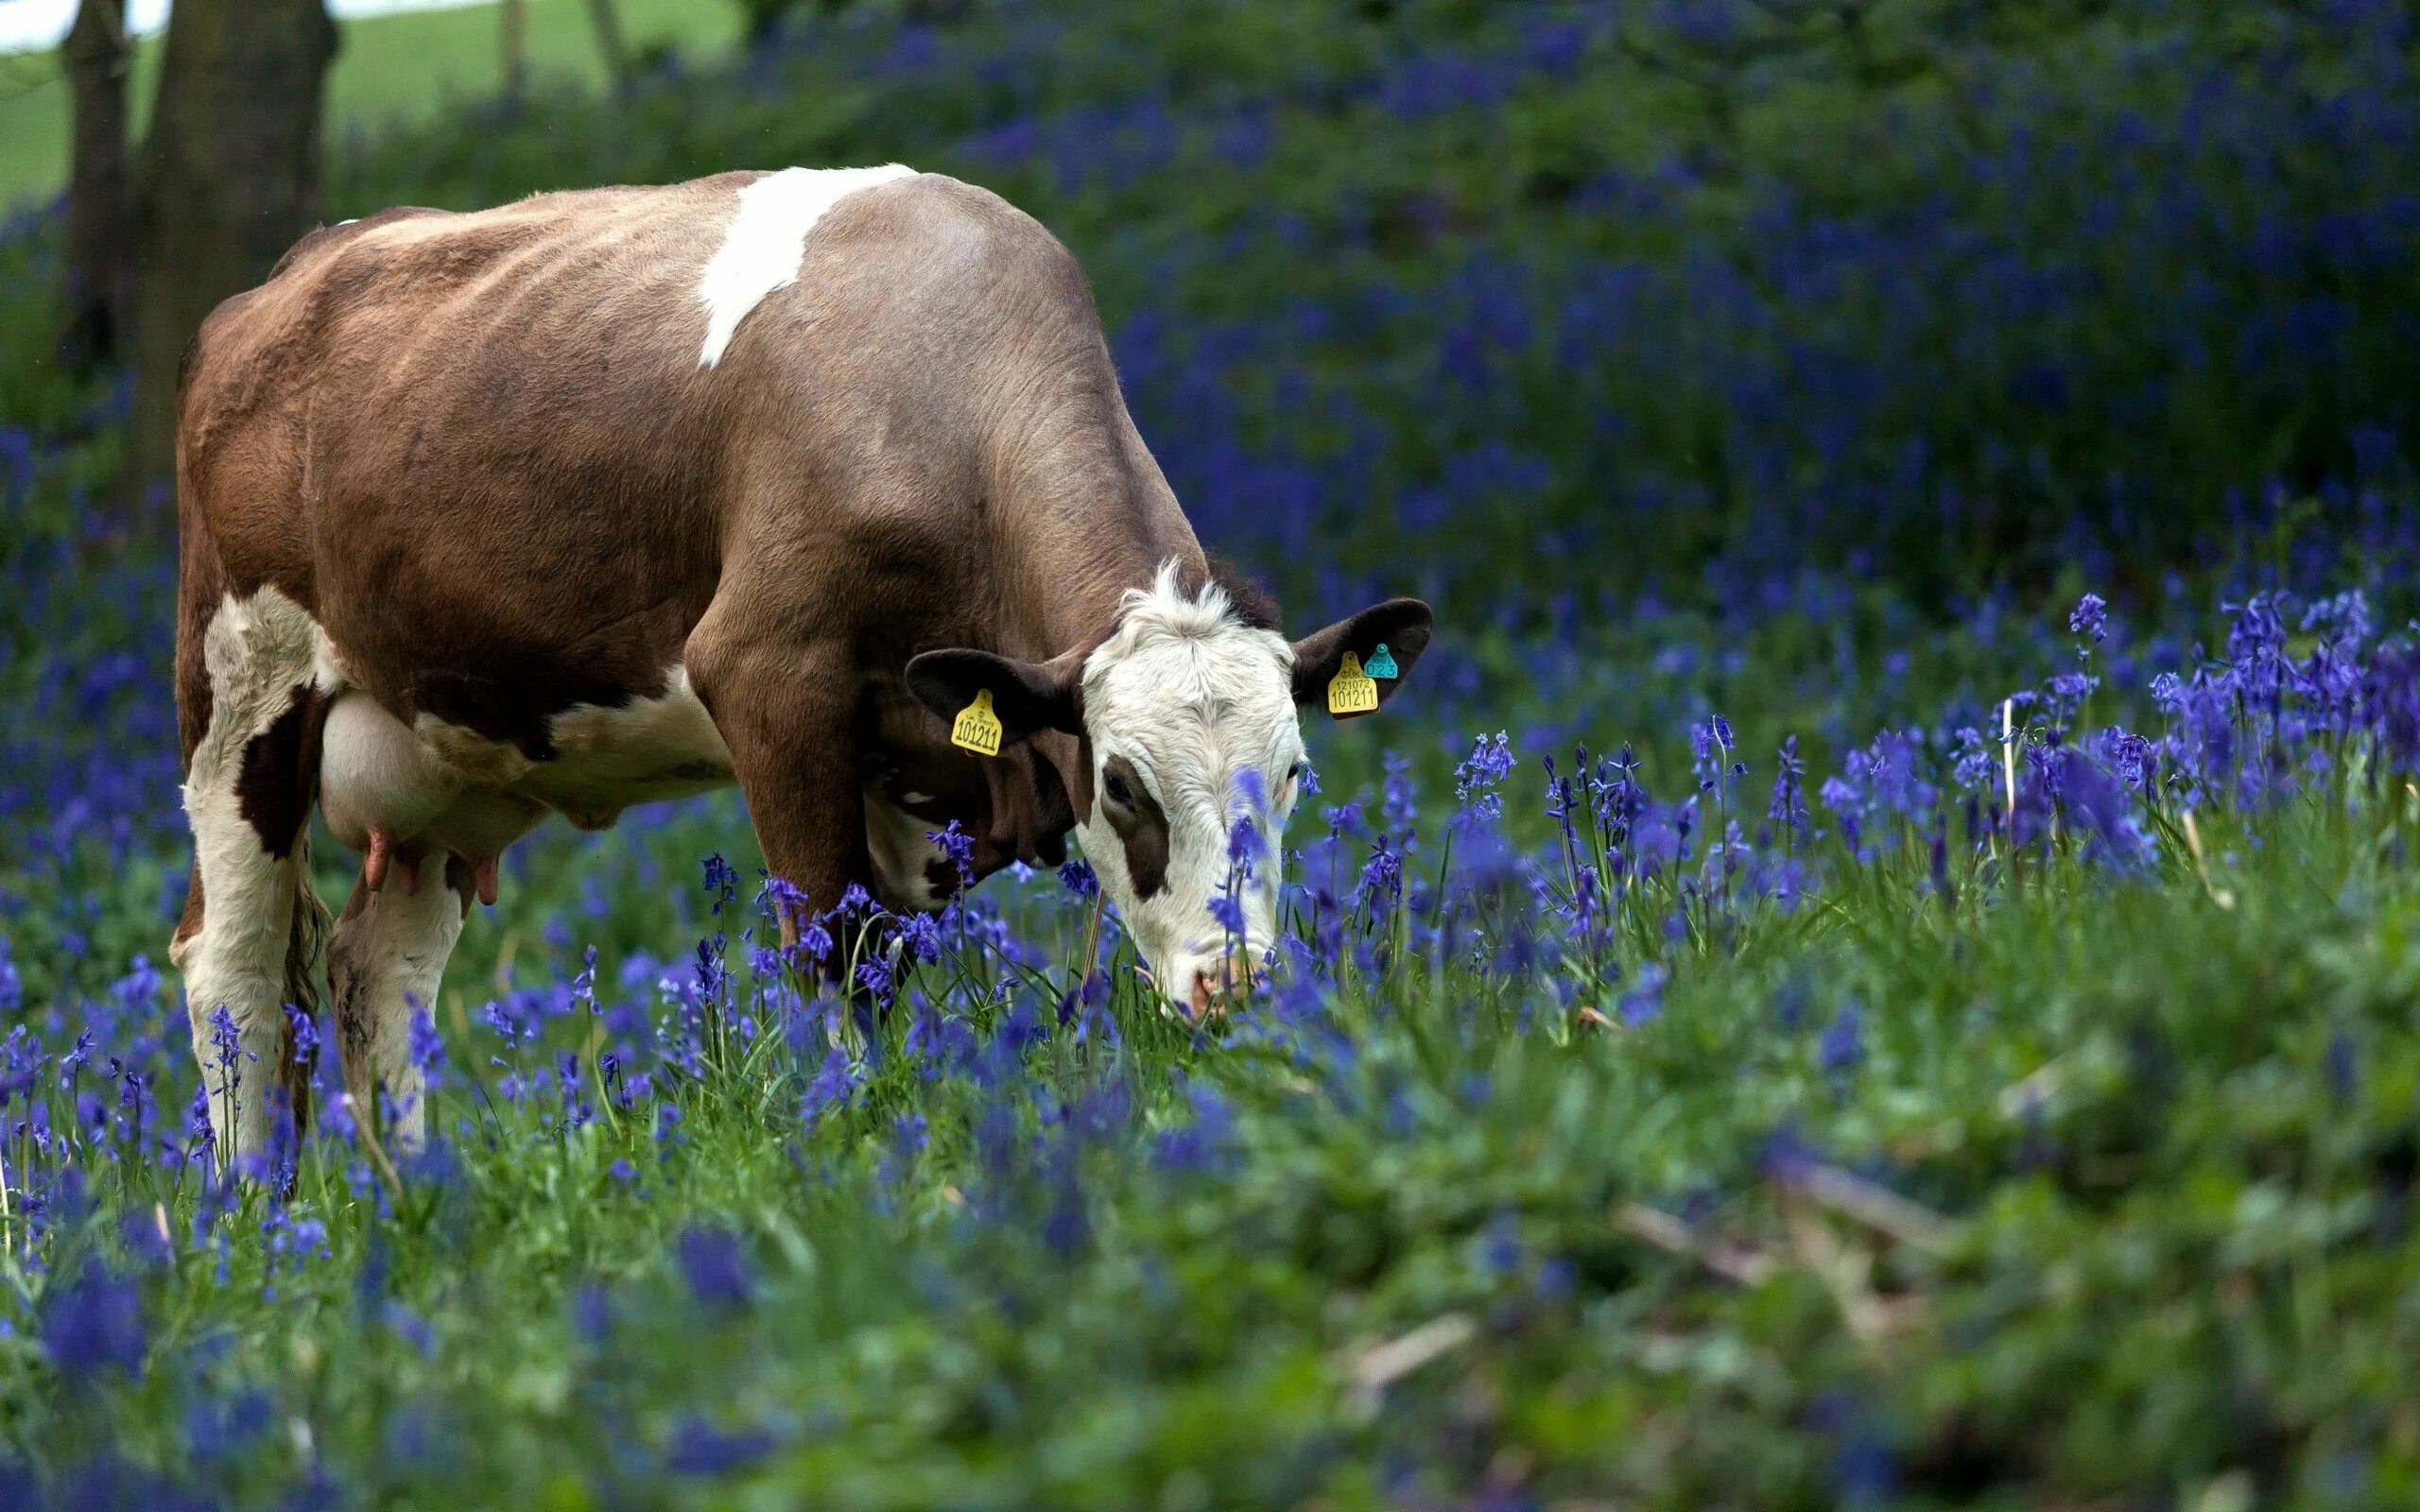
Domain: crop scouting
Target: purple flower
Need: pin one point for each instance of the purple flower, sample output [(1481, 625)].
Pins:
[(816, 941), (1381, 877), (1843, 1045), (93, 1323), (722, 881), (923, 934), (425, 1045), (832, 1084), (2090, 618), (714, 1266), (959, 846), (1228, 911), (875, 976), (1077, 878), (1482, 773), (1246, 845), (1643, 1003), (1789, 806), (698, 1448)]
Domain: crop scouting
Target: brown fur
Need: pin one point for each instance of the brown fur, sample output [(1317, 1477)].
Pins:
[(479, 450), (1142, 828)]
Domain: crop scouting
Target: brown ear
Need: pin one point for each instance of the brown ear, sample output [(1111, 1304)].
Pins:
[(1401, 624), (1070, 757), (1026, 695)]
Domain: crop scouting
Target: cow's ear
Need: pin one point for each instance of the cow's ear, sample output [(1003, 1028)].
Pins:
[(1026, 695), (1402, 626)]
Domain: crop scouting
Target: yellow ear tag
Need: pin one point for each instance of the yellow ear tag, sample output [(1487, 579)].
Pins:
[(977, 729), (1352, 691)]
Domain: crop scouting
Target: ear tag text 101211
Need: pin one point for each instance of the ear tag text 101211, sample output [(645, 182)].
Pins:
[(1352, 691), (977, 729), (1382, 663)]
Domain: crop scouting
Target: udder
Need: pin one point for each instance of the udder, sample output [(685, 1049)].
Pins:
[(386, 791)]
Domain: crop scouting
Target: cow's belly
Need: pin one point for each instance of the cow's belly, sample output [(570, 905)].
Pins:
[(441, 786)]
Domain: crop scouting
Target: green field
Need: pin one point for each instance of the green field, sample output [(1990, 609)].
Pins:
[(389, 69)]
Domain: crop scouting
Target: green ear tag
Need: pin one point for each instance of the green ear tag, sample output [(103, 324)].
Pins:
[(977, 729), (1382, 663), (1351, 691)]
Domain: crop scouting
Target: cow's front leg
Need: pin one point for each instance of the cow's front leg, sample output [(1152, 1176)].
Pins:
[(790, 717)]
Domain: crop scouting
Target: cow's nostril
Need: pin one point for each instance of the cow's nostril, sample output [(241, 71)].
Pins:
[(1225, 984)]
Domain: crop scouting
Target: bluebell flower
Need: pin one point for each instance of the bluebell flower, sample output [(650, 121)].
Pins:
[(93, 1324), (411, 1328), (425, 1046), (832, 1084), (698, 1448), (1642, 1003), (2090, 617), (1842, 1046), (957, 847), (714, 1266), (1228, 911), (723, 883), (1480, 773)]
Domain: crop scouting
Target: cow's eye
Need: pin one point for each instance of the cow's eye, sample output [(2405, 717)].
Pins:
[(1115, 788)]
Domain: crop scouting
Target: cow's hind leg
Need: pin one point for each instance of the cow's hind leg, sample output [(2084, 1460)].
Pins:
[(252, 925), (386, 958)]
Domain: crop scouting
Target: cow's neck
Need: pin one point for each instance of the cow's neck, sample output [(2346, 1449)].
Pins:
[(1096, 521)]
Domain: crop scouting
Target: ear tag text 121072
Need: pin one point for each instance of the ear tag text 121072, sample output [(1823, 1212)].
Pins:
[(1382, 663), (1352, 691), (977, 729)]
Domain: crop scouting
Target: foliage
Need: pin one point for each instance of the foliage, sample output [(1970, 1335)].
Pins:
[(1969, 293), (1959, 1050)]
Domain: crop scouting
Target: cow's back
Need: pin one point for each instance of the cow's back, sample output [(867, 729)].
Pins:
[(483, 450)]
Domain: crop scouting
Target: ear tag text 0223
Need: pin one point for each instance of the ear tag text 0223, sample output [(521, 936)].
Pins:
[(1352, 691), (1382, 663), (977, 729)]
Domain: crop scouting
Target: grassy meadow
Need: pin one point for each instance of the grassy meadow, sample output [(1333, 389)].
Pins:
[(1876, 963), (416, 66)]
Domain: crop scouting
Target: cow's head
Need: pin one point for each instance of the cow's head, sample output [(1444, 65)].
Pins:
[(1176, 727)]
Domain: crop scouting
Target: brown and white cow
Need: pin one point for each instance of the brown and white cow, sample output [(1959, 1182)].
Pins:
[(611, 496)]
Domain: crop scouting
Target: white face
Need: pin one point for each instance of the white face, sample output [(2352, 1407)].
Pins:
[(1193, 727)]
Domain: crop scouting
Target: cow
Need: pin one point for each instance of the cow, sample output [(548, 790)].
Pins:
[(613, 496)]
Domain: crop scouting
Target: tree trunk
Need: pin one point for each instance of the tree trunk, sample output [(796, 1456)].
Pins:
[(229, 180), (512, 41), (616, 52), (99, 263)]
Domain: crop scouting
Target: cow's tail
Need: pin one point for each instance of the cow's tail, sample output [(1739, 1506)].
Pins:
[(306, 940)]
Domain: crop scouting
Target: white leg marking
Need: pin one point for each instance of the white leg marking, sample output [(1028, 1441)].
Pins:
[(256, 651), (761, 249), (385, 963)]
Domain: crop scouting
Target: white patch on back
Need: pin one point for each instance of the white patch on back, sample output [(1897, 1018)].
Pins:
[(761, 248)]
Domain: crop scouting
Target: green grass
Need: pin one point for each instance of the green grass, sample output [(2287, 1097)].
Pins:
[(390, 69), (2148, 1240)]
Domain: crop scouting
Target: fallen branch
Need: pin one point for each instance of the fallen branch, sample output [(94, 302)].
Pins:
[(1372, 1370), (1732, 1263)]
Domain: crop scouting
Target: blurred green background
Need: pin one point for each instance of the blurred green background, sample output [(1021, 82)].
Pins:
[(413, 66)]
